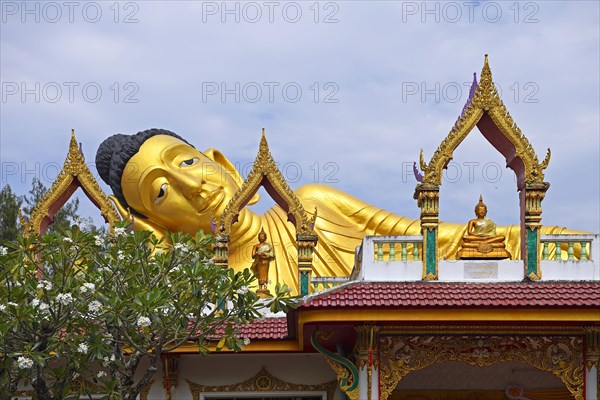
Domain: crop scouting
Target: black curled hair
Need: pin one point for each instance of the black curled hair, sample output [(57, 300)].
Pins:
[(115, 152)]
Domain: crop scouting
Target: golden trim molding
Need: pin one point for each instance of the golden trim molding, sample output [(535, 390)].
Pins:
[(74, 174), (263, 381), (482, 330), (560, 355)]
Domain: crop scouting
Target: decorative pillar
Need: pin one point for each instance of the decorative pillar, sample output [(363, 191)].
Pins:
[(592, 361), (531, 212), (367, 352), (306, 245), (170, 373), (221, 251), (427, 196)]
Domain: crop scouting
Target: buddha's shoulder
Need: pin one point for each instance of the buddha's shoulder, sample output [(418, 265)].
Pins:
[(319, 191)]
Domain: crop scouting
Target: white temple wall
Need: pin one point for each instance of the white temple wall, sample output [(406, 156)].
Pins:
[(225, 369)]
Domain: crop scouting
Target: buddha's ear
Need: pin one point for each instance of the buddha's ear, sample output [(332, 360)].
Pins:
[(139, 223), (224, 162)]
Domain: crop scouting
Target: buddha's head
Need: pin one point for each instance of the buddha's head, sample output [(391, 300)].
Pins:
[(163, 179), (262, 236), (480, 208)]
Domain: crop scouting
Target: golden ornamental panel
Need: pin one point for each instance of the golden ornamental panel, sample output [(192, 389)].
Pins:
[(74, 173), (265, 173), (560, 355), (486, 100), (263, 382)]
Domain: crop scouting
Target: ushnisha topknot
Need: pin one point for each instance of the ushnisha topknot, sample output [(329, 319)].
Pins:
[(115, 152)]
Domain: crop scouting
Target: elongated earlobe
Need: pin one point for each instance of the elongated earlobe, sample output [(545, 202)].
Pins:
[(230, 169)]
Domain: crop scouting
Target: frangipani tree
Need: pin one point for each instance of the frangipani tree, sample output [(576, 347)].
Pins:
[(82, 314)]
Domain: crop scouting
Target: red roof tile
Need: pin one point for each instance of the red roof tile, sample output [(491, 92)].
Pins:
[(266, 328), (444, 294)]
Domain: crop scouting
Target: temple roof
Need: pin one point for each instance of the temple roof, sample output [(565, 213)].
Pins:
[(267, 328), (458, 294)]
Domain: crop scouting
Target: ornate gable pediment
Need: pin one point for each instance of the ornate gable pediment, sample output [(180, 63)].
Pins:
[(265, 173), (486, 111), (74, 174)]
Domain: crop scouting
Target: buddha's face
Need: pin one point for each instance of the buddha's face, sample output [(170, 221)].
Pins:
[(480, 211), (175, 185), (262, 237)]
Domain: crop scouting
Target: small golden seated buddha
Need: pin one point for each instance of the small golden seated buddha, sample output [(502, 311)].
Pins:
[(481, 241)]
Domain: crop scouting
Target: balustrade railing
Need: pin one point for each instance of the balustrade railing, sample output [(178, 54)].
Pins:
[(327, 282), (398, 248), (567, 247)]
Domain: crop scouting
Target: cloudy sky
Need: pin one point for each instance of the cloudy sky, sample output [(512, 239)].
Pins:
[(348, 91)]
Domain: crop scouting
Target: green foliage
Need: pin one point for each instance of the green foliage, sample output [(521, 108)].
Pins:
[(9, 209), (79, 312)]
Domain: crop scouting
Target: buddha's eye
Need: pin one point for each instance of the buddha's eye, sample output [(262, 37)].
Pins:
[(161, 193), (188, 163)]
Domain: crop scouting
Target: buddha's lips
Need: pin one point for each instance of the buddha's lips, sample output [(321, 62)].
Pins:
[(208, 199)]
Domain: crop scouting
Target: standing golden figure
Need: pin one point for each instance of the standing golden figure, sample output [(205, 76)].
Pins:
[(263, 254), (481, 240)]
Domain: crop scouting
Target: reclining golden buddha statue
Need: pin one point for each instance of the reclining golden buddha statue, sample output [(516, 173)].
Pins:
[(168, 185)]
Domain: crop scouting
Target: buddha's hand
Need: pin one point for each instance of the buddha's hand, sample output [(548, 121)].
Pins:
[(138, 223)]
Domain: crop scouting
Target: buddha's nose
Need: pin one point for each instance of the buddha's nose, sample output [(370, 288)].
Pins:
[(189, 185)]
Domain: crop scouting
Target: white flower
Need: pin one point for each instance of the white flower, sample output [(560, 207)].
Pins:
[(68, 240), (120, 255), (88, 287), (94, 306), (64, 298), (165, 310), (101, 374), (24, 362), (44, 285), (35, 302), (98, 240), (82, 348), (43, 307), (143, 322), (243, 290), (119, 231), (3, 251), (11, 303), (246, 341), (2, 307), (180, 246), (16, 284)]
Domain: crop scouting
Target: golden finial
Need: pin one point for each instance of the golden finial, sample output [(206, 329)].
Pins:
[(486, 72)]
